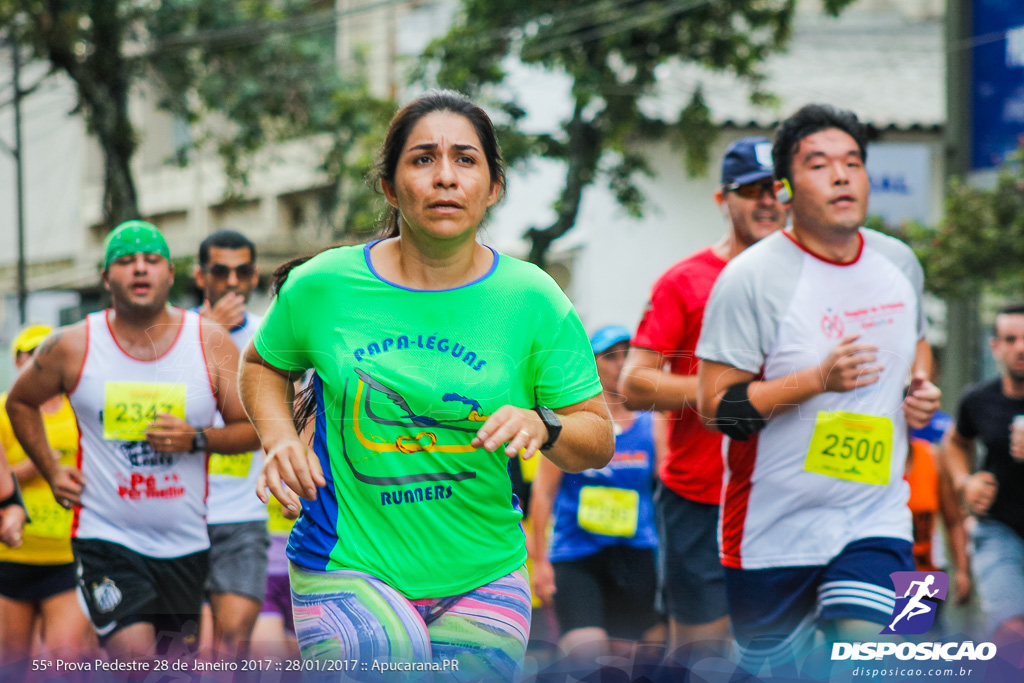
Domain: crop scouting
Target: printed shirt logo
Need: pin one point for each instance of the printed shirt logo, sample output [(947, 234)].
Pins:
[(106, 595), (832, 325), (385, 424), (914, 612)]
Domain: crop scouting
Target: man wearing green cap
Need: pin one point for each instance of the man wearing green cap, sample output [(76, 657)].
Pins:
[(145, 381)]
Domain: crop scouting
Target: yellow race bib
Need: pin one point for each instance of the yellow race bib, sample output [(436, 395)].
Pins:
[(231, 465), (49, 520), (129, 407), (851, 447), (608, 511), (278, 524)]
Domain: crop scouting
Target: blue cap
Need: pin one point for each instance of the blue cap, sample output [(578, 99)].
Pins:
[(608, 336), (746, 161)]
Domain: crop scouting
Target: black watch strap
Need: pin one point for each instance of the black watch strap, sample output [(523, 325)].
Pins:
[(199, 441), (553, 424)]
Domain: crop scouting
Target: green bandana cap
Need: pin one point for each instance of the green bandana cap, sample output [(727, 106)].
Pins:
[(134, 237)]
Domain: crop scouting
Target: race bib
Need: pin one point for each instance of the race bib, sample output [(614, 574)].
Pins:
[(608, 511), (278, 524), (129, 407), (851, 447), (231, 465), (49, 520)]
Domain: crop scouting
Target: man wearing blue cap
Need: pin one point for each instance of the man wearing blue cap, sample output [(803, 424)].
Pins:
[(661, 374), (145, 380)]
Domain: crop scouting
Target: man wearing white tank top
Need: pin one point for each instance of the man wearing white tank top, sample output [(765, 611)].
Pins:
[(237, 519), (145, 381)]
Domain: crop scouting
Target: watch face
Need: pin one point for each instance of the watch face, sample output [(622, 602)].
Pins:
[(550, 417), (553, 424)]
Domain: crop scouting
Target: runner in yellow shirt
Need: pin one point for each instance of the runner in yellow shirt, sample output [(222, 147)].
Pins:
[(37, 579)]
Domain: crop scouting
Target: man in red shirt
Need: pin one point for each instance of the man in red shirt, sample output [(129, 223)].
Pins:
[(661, 374)]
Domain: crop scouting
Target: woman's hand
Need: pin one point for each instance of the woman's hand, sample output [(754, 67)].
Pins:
[(520, 428), (290, 466)]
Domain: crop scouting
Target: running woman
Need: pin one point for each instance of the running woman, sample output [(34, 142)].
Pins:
[(437, 359)]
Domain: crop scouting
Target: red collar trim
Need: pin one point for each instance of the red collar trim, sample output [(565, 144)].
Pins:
[(177, 335), (860, 250)]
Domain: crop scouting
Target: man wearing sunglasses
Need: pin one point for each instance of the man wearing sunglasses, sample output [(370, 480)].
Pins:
[(661, 374), (237, 520)]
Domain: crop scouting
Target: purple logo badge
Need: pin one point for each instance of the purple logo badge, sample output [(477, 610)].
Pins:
[(917, 596)]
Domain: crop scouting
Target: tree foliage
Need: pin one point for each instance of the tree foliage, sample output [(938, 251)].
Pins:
[(610, 50), (241, 74), (979, 245)]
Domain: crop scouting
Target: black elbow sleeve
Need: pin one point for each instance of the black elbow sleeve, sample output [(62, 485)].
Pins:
[(736, 417)]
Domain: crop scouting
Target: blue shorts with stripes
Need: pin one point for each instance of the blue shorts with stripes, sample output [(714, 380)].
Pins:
[(776, 611)]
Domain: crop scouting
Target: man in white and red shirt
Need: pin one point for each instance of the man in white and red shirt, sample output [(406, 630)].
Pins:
[(145, 381), (661, 374), (809, 340), (237, 520)]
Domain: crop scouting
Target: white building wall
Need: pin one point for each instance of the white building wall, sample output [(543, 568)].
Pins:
[(52, 160)]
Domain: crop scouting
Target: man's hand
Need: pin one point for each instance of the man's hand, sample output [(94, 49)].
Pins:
[(979, 491), (229, 310), (12, 520), (170, 434), (962, 587), (67, 486), (1017, 444), (846, 366), (542, 578), (921, 402)]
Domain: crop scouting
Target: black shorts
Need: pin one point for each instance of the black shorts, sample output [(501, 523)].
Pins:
[(35, 582), (691, 581), (122, 587), (612, 589)]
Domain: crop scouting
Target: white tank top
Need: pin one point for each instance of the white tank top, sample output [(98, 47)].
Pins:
[(151, 502), (233, 477)]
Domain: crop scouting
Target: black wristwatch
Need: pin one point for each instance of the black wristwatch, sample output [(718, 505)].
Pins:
[(551, 421), (199, 441)]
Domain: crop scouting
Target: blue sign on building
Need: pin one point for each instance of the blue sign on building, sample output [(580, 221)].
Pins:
[(997, 70)]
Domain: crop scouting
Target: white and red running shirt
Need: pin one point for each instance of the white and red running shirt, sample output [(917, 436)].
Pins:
[(233, 477), (812, 480), (151, 502)]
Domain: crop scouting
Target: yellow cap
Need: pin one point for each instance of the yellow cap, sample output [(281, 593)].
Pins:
[(29, 338)]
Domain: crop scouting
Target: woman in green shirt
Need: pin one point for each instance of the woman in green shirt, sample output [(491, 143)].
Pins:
[(436, 359)]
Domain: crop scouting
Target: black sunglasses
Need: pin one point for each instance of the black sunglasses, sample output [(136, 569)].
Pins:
[(221, 272), (752, 190)]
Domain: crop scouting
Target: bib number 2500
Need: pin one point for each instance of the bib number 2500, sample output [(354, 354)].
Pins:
[(851, 447)]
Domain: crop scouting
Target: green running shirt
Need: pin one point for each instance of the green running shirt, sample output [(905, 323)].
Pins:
[(404, 379)]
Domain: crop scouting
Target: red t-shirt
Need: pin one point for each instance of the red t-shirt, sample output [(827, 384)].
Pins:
[(671, 326)]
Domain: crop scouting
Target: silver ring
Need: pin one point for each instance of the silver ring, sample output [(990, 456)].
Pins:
[(66, 503), (525, 433)]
